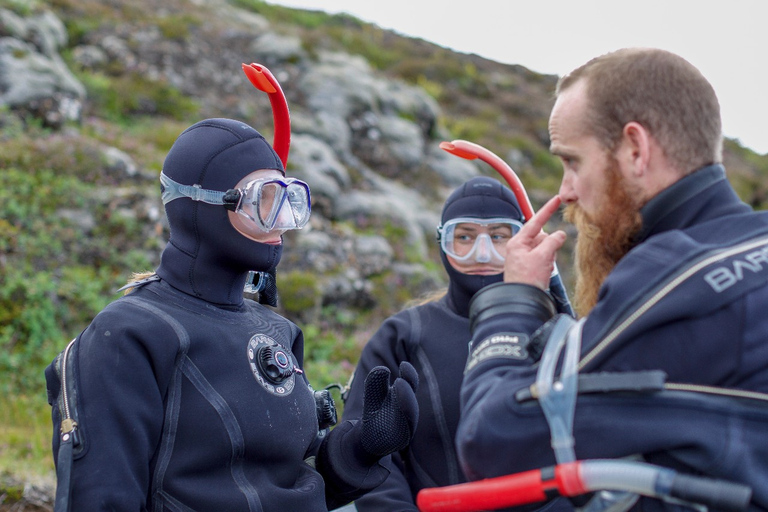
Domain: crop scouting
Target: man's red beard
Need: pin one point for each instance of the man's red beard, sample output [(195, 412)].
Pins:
[(603, 240)]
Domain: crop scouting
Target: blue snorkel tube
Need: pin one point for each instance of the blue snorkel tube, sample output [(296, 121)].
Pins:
[(472, 151)]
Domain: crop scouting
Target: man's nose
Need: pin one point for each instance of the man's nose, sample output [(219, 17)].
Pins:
[(567, 193)]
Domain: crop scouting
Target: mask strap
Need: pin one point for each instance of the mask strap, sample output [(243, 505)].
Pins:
[(173, 190)]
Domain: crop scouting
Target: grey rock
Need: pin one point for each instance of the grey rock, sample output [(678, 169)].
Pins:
[(372, 255), (89, 56), (278, 48), (44, 31), (119, 162), (26, 74), (453, 170)]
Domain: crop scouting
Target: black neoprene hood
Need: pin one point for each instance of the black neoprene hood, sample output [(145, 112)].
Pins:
[(206, 256)]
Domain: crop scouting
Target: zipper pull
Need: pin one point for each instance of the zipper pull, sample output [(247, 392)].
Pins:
[(68, 426)]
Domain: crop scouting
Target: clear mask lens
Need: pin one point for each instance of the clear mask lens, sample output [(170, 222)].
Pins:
[(276, 204), (477, 240)]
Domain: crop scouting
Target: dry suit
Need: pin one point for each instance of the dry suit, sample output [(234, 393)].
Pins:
[(186, 396), (680, 321)]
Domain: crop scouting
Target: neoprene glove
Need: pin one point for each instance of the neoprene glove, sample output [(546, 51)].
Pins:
[(390, 413), (349, 456)]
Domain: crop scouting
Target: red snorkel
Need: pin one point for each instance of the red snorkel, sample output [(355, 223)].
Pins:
[(471, 151), (264, 80)]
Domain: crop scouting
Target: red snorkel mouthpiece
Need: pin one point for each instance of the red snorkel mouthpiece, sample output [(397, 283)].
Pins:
[(263, 79)]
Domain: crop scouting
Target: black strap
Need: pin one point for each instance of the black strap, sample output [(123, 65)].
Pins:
[(64, 474), (649, 381), (140, 282)]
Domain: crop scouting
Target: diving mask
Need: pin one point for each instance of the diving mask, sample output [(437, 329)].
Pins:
[(271, 203), (480, 240)]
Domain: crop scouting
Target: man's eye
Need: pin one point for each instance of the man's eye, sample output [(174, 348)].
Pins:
[(569, 163)]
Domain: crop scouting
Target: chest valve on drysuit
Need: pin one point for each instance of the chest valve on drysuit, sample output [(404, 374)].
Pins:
[(276, 367), (274, 364)]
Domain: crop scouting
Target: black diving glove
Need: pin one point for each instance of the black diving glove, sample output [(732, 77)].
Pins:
[(349, 456), (390, 413)]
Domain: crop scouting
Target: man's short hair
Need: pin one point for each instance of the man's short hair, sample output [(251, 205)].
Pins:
[(661, 91)]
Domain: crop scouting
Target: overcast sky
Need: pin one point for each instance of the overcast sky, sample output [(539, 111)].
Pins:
[(726, 39)]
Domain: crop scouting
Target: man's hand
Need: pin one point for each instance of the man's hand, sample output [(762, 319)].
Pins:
[(530, 257)]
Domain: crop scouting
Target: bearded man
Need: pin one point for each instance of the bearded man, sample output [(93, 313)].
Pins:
[(671, 289)]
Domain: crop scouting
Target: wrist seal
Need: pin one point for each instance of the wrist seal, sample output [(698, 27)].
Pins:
[(508, 298)]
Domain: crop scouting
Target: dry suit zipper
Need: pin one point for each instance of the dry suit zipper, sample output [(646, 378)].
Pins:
[(68, 425), (713, 390)]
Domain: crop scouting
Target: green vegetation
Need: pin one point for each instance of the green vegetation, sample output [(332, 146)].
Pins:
[(300, 294), (62, 256), (286, 16), (129, 95), (747, 173), (177, 28), (21, 7), (53, 282), (25, 439)]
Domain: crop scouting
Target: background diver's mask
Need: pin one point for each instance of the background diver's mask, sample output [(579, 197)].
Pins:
[(471, 239), (272, 204)]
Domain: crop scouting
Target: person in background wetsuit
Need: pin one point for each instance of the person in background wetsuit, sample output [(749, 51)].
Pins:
[(190, 397), (477, 221), (671, 284)]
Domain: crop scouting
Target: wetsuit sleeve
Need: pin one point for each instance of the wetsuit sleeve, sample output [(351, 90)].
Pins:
[(508, 308), (385, 348), (121, 384), (503, 318), (394, 494)]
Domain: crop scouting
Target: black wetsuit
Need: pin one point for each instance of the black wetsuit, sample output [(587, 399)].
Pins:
[(434, 338), (176, 405)]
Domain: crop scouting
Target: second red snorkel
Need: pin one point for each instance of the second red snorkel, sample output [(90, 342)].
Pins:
[(580, 477), (472, 151)]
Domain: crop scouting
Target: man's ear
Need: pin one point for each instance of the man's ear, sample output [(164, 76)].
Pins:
[(634, 152)]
